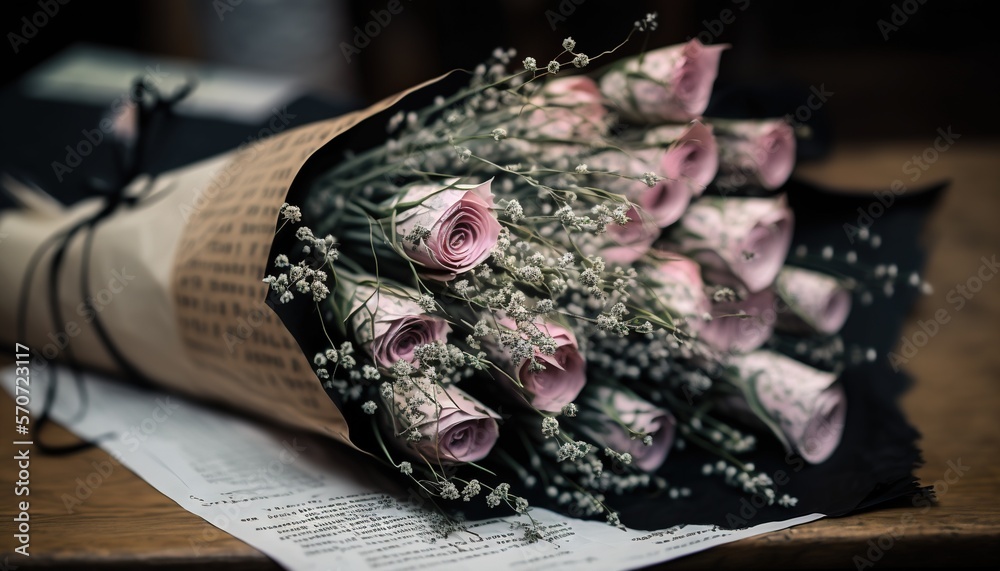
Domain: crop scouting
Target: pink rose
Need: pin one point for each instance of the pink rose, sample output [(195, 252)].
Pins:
[(458, 225), (664, 201), (391, 326), (569, 109), (807, 405), (626, 244), (668, 84), (564, 375), (676, 282), (614, 408), (730, 332), (816, 300), (738, 241), (452, 426), (692, 155), (764, 151)]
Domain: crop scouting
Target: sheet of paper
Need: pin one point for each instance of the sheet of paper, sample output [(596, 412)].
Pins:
[(308, 502)]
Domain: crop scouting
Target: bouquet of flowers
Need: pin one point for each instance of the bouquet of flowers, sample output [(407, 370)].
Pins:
[(533, 290)]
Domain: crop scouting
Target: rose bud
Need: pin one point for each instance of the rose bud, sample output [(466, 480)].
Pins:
[(626, 244), (619, 420), (564, 374), (684, 167), (762, 151), (692, 154), (676, 282), (447, 229), (737, 241), (568, 109), (664, 200), (806, 405), (390, 325), (816, 301), (668, 84), (741, 325), (441, 424)]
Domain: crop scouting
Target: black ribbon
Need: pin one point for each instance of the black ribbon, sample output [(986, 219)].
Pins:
[(152, 110)]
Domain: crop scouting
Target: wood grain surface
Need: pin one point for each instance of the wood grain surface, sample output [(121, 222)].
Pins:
[(955, 403)]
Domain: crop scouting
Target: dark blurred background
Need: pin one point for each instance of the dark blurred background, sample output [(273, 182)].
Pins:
[(930, 63)]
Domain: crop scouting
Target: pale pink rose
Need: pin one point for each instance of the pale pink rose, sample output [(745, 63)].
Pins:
[(626, 244), (609, 409), (816, 301), (453, 426), (390, 325), (737, 241), (685, 168), (807, 404), (461, 224), (568, 109), (741, 326), (764, 151), (692, 155), (565, 371), (676, 282), (668, 84), (664, 201)]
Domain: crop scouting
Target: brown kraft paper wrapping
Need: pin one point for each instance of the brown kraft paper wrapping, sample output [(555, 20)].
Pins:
[(176, 281)]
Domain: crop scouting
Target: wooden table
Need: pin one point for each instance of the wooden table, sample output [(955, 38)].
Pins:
[(125, 523)]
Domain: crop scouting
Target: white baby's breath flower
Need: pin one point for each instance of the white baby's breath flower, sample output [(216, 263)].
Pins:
[(550, 427), (471, 490), (498, 495), (406, 468), (369, 407), (569, 44), (553, 67), (291, 213), (787, 501), (427, 303), (514, 210), (449, 491), (530, 64)]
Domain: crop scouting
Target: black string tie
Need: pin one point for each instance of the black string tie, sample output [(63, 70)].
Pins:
[(153, 110)]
